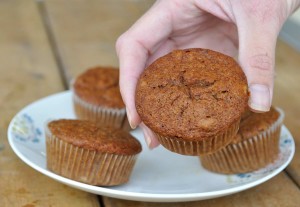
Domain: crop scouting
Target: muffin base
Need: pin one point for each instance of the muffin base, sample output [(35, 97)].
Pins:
[(115, 118), (247, 155), (87, 166), (201, 147)]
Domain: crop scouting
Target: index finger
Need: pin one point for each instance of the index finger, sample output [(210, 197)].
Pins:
[(134, 48)]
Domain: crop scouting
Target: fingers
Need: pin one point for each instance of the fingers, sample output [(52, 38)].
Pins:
[(131, 64), (258, 64), (149, 136), (134, 48), (257, 40)]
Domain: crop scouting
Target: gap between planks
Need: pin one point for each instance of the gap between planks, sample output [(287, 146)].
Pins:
[(291, 178), (65, 76), (100, 200)]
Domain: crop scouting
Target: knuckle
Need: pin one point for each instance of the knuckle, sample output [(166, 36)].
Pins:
[(120, 42), (261, 62), (264, 11)]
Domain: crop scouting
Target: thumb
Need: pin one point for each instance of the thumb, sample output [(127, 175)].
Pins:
[(257, 42), (258, 64)]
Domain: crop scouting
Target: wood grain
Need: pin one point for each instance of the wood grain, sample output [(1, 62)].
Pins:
[(28, 72), (85, 33)]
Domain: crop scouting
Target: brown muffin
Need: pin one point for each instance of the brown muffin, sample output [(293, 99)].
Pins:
[(193, 100), (255, 146), (82, 151), (96, 97), (246, 114)]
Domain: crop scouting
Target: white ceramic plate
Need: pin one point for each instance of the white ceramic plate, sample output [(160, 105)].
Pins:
[(159, 175)]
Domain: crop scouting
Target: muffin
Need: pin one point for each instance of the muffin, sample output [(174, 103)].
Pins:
[(255, 146), (96, 97), (193, 100), (82, 151)]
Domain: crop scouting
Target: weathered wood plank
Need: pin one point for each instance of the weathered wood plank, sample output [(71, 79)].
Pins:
[(28, 72), (85, 33), (286, 96)]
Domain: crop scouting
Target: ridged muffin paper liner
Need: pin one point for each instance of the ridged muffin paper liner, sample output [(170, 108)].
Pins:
[(103, 116), (249, 154), (87, 166), (203, 146)]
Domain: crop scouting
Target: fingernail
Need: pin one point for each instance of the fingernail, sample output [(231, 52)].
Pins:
[(259, 97), (147, 136), (132, 125), (148, 139)]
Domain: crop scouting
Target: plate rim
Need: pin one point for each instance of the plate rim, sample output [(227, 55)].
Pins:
[(137, 196)]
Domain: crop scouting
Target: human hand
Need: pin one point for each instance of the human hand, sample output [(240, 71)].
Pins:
[(246, 28)]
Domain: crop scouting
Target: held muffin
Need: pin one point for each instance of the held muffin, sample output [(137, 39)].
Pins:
[(255, 146), (82, 151), (193, 100), (96, 97)]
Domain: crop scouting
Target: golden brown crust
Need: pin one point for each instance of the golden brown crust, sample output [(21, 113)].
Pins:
[(88, 135), (255, 146), (256, 123), (246, 113), (99, 86), (192, 94)]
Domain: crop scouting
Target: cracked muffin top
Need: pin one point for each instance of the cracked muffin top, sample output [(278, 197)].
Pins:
[(99, 86), (192, 94), (88, 135)]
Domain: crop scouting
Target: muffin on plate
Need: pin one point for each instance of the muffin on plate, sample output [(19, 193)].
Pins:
[(255, 146), (82, 151), (193, 100), (96, 97)]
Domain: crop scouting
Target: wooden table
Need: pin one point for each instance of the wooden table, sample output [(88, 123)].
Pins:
[(43, 44)]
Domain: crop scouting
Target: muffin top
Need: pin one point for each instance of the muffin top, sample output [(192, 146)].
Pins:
[(256, 123), (87, 135), (191, 94), (99, 86)]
